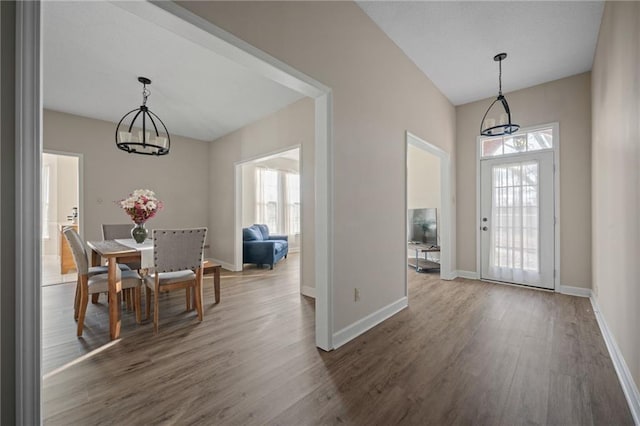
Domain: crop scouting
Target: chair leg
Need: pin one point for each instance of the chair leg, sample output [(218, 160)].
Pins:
[(147, 301), (137, 293), (95, 297), (198, 294), (216, 284), (127, 294), (156, 306), (84, 301), (188, 291), (76, 301)]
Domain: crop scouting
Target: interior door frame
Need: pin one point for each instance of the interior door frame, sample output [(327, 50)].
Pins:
[(447, 221), (555, 127)]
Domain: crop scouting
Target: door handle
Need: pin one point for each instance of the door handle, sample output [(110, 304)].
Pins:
[(484, 228)]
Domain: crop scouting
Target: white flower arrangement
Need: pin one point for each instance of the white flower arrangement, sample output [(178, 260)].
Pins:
[(141, 205)]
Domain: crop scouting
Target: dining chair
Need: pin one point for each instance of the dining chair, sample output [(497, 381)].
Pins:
[(90, 281), (177, 256), (78, 251)]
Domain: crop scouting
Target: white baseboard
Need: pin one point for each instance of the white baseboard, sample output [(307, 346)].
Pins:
[(308, 291), (225, 265), (294, 249), (470, 275), (575, 291), (629, 387), (357, 328)]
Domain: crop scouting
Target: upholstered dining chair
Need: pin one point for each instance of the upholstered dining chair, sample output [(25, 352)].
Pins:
[(177, 256), (92, 280)]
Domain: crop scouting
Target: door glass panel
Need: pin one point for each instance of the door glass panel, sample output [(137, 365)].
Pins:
[(542, 139), (491, 147), (514, 249)]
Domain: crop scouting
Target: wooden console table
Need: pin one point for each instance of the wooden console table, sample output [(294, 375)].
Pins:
[(423, 264)]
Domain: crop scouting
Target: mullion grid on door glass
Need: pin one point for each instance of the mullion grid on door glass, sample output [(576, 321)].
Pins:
[(515, 221)]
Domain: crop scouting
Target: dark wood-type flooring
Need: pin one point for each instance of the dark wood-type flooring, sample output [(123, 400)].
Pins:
[(464, 352)]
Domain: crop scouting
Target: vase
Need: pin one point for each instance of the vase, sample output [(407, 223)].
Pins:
[(139, 233)]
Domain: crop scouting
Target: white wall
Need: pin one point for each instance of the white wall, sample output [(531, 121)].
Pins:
[(567, 101), (615, 88), (291, 126), (180, 179), (378, 94)]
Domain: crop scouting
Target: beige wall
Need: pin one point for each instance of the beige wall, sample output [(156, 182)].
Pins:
[(180, 179), (291, 126), (378, 94), (616, 176), (568, 102), (423, 181)]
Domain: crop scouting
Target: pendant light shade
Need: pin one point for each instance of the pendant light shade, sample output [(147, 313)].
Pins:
[(504, 126), (145, 134)]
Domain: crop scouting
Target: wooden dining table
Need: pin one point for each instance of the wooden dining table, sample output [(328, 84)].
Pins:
[(115, 253)]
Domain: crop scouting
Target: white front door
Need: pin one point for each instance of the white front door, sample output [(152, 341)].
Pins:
[(517, 219)]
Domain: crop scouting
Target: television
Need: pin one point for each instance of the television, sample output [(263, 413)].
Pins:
[(423, 226)]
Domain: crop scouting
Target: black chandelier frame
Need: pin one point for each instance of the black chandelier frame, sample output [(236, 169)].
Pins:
[(143, 146), (507, 128)]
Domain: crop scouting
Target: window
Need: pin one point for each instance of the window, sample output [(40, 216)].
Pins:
[(278, 200), (536, 140), (267, 199), (292, 184)]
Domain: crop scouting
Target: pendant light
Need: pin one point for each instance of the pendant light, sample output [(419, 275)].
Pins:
[(141, 135), (488, 126)]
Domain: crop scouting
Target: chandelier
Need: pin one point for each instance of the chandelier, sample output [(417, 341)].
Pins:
[(488, 126), (142, 136)]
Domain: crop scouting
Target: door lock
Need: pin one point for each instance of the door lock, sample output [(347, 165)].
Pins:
[(484, 228), (484, 219)]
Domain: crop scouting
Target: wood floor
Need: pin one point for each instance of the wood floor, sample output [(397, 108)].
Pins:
[(464, 352)]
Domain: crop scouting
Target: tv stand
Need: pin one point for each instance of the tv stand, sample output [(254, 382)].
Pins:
[(422, 264)]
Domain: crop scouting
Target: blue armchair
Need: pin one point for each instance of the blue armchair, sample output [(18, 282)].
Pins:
[(261, 248)]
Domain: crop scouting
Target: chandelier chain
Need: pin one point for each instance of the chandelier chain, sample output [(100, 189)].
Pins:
[(145, 94), (500, 77)]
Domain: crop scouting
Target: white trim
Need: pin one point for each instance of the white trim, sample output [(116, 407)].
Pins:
[(308, 291), (225, 265), (629, 386), (354, 330), (186, 24), (575, 291), (555, 126), (28, 212), (447, 222), (470, 275)]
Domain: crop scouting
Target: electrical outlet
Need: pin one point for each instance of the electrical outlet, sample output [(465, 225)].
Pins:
[(356, 294)]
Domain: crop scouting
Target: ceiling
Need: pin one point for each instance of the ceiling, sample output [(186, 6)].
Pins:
[(94, 52), (453, 43)]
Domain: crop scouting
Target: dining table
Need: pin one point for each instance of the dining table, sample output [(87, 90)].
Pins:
[(128, 250)]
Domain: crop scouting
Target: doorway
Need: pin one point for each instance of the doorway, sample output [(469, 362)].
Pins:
[(61, 208), (268, 191), (518, 236), (430, 205)]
